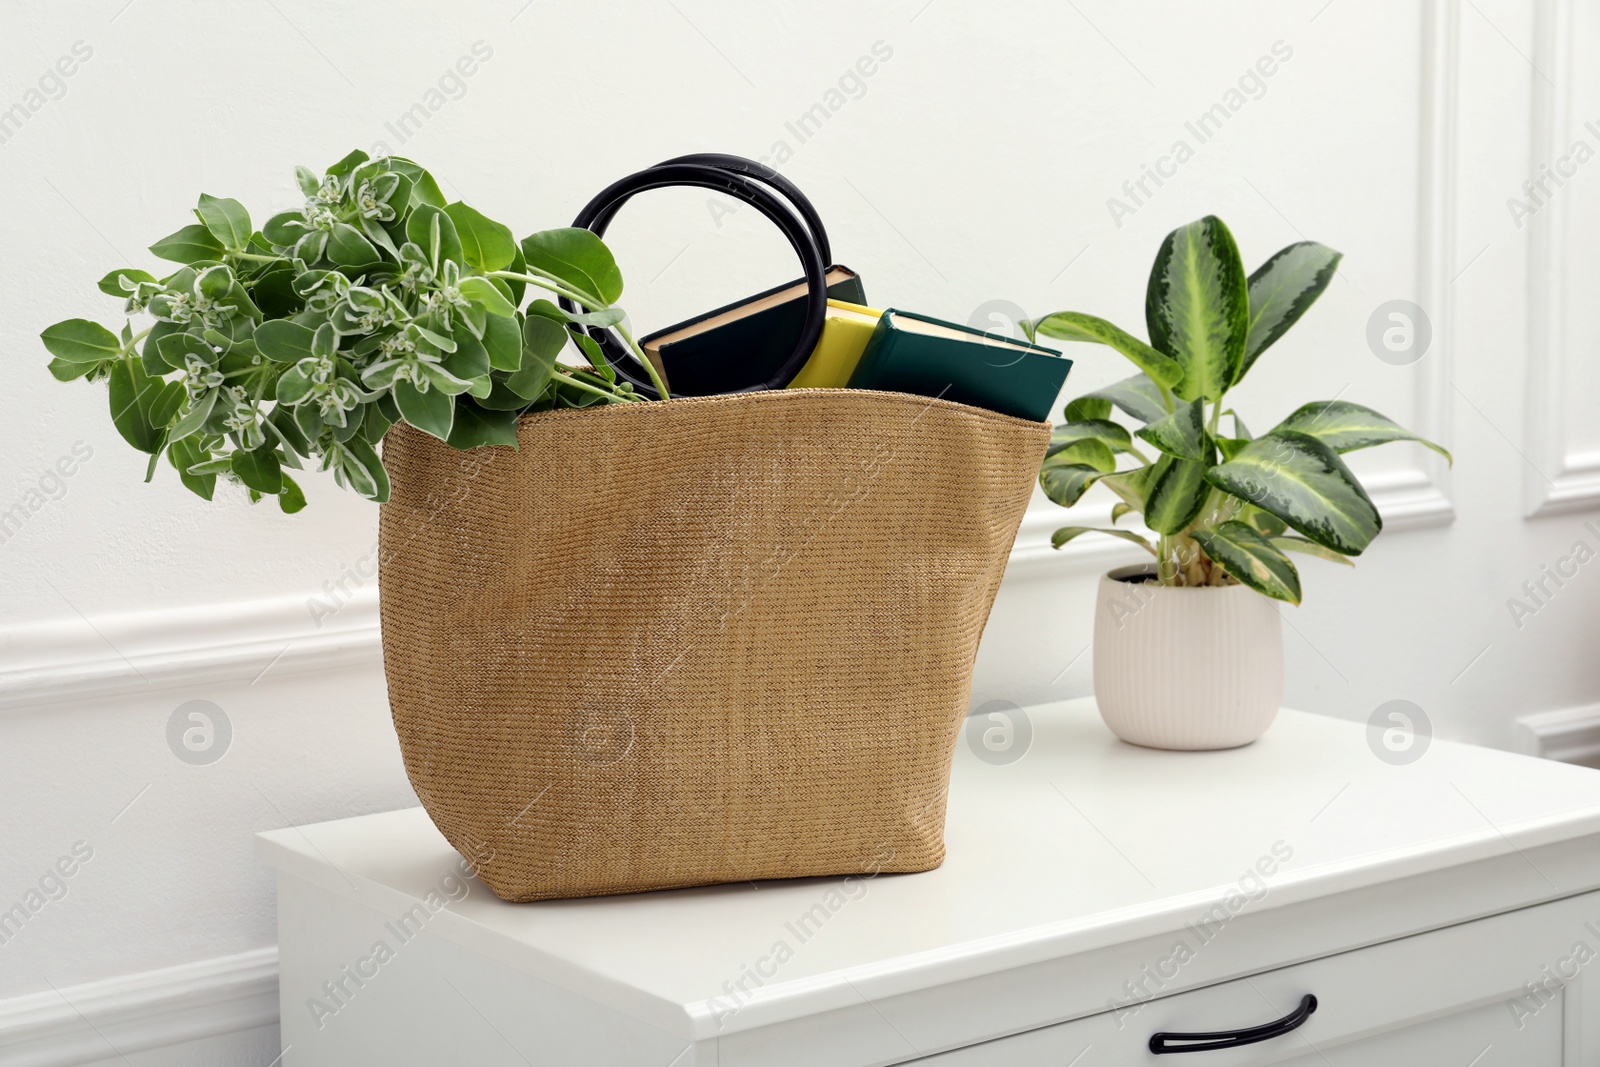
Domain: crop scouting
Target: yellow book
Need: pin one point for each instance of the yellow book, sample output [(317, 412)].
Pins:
[(845, 333)]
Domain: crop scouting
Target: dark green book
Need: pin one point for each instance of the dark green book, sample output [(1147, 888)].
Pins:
[(743, 343), (911, 353)]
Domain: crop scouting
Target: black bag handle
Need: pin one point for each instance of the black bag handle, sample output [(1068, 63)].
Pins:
[(743, 179)]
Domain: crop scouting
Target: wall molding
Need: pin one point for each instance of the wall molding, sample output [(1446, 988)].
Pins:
[(142, 1011), (122, 654), (110, 655), (1571, 735), (1562, 480), (1411, 497), (1423, 490)]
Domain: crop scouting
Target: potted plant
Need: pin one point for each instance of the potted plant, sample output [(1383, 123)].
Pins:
[(1188, 649), (376, 302)]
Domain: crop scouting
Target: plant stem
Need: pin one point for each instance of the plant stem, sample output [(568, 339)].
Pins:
[(589, 303), (554, 285), (587, 388), (650, 368), (1216, 416), (257, 257)]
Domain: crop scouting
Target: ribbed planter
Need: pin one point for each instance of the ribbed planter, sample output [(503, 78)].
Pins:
[(1185, 668)]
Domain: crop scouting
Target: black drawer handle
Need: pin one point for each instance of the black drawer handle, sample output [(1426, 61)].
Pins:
[(1165, 1044)]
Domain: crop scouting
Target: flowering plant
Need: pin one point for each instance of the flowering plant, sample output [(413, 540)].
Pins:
[(375, 302)]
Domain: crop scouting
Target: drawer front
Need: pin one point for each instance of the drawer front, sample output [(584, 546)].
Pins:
[(1519, 989)]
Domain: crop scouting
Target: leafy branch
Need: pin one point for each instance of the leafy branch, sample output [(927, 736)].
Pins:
[(375, 302)]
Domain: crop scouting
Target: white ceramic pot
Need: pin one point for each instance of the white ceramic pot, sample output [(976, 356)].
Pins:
[(1185, 668)]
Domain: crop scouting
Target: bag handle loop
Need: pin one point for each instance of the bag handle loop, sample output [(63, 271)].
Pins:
[(743, 179)]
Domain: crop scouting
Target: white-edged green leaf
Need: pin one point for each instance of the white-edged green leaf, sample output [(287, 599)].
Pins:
[(486, 244), (1067, 533), (1303, 482), (1345, 427), (283, 340), (259, 469), (476, 426), (290, 498), (193, 419), (1176, 493), (503, 340), (1252, 559), (432, 412), (1076, 326), (1197, 306), (578, 258), (374, 480), (81, 341), (1181, 434), (142, 405), (1280, 291), (1310, 548), (111, 284), (226, 219), (482, 292), (189, 245)]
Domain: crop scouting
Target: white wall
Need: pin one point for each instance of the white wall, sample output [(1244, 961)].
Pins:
[(974, 164)]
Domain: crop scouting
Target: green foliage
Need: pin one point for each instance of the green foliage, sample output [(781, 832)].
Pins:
[(372, 302), (1222, 506)]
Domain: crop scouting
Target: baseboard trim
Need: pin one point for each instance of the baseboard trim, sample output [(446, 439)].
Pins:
[(139, 1012), (1571, 735)]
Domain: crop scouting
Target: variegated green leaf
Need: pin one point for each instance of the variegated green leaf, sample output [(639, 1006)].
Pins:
[(1131, 485), (1197, 306), (1252, 559), (1280, 291), (1138, 396), (1177, 491), (1065, 483), (1230, 446), (1264, 522), (1113, 435), (1181, 434), (1303, 482), (1345, 427), (1088, 451), (1310, 548), (1067, 533), (1085, 408), (1076, 326), (1120, 509)]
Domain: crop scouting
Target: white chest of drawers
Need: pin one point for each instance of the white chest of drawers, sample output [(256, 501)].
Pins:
[(1094, 895)]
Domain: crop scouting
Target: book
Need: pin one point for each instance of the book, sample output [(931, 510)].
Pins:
[(911, 353), (742, 343), (845, 333)]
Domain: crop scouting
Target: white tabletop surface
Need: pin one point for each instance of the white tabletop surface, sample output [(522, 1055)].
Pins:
[(1084, 842)]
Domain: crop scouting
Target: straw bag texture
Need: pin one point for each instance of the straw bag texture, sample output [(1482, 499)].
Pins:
[(706, 640)]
